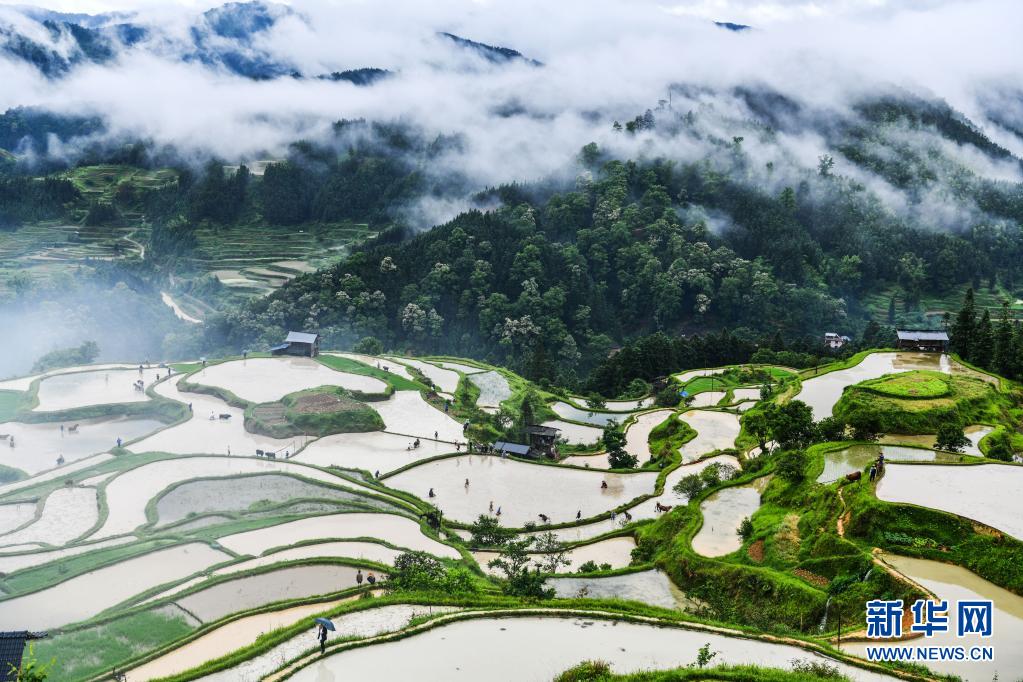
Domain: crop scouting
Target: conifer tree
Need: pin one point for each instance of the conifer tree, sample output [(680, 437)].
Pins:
[(1003, 344), (983, 341), (964, 327)]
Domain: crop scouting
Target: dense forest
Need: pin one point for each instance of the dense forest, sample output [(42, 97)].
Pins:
[(552, 276)]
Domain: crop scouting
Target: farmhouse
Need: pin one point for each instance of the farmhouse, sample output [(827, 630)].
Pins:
[(833, 340), (516, 449), (12, 646), (923, 340), (542, 440), (299, 343)]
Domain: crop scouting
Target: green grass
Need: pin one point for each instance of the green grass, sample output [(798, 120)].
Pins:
[(83, 653), (966, 401), (916, 384), (10, 403), (352, 367), (597, 671)]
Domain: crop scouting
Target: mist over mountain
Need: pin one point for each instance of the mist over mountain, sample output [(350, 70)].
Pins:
[(848, 157)]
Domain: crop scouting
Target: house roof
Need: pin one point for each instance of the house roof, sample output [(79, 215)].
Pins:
[(12, 647), (542, 430), (301, 337), (922, 335), (512, 448)]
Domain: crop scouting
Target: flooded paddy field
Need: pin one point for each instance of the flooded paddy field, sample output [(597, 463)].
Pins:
[(264, 380), (370, 551), (103, 387), (406, 413), (723, 511), (494, 388), (361, 624), (838, 463), (614, 551), (67, 514), (128, 493), (498, 643), (573, 413), (57, 472), (650, 587), (959, 490), (400, 531), (226, 638), (707, 399), (373, 451), (975, 433), (88, 594), (14, 515), (576, 434), (629, 405), (523, 491), (241, 494), (953, 584), (25, 383), (242, 594), (714, 431), (15, 562), (445, 380), (821, 393), (206, 433), (37, 446)]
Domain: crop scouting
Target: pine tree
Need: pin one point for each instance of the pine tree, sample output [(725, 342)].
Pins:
[(1003, 355), (983, 341), (891, 310), (964, 328)]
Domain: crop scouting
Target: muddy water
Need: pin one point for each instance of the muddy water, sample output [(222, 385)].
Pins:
[(397, 530), (263, 380), (202, 435), (722, 513), (821, 393), (250, 592), (105, 387), (598, 461), (365, 623), (974, 433), (857, 457), (37, 446), (574, 413), (444, 379), (649, 587), (952, 583), (498, 644), (576, 434), (989, 493), (707, 399), (494, 388), (68, 513), (370, 551), (406, 413), (714, 431), (86, 595), (373, 451), (128, 493), (521, 490), (614, 551), (227, 638)]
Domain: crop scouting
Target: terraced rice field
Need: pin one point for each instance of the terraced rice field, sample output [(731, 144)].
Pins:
[(523, 491), (38, 446), (264, 380), (104, 387), (498, 643)]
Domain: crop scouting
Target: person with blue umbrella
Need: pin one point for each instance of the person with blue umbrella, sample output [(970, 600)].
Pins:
[(322, 625)]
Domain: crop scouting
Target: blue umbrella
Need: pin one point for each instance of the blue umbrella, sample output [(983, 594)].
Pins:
[(326, 623)]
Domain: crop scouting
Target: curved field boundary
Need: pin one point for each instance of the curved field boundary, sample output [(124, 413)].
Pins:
[(291, 668)]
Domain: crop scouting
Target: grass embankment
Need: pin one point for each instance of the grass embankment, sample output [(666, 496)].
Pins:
[(314, 412), (352, 367), (10, 403), (597, 671), (667, 438), (788, 567), (920, 402)]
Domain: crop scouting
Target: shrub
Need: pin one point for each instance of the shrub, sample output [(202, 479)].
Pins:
[(951, 437), (745, 530), (689, 487), (588, 567), (791, 466), (486, 531)]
